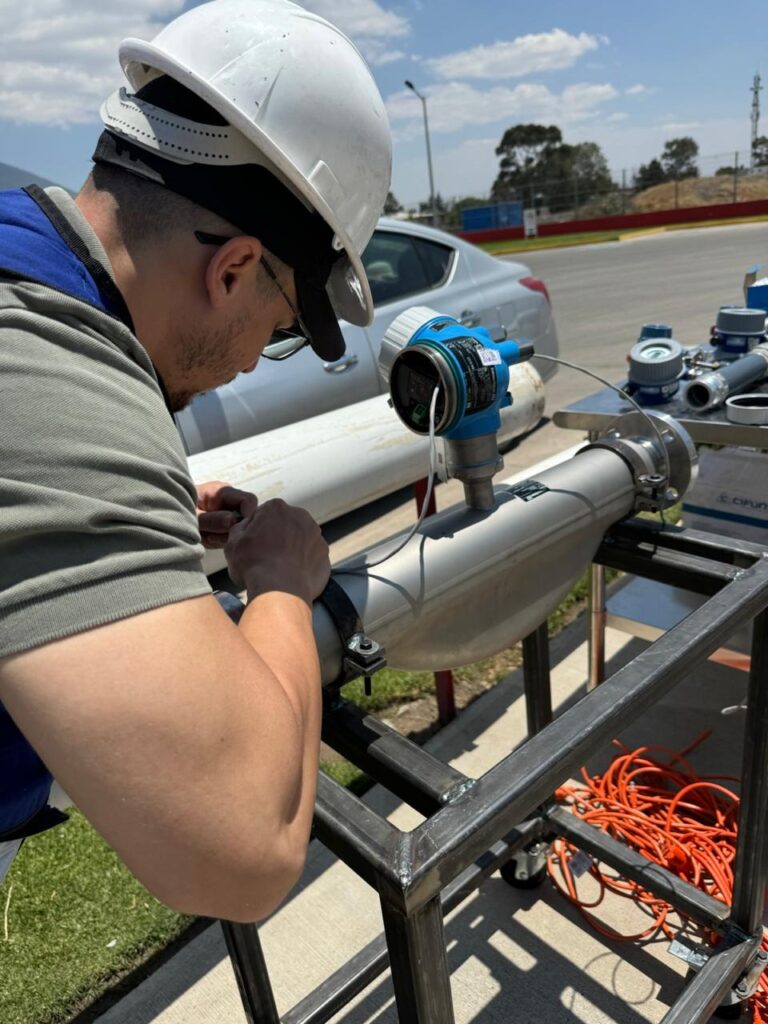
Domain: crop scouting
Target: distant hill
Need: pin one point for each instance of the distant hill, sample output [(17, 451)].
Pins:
[(15, 177), (701, 192)]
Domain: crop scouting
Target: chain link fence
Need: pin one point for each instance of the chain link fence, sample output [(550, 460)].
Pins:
[(722, 178)]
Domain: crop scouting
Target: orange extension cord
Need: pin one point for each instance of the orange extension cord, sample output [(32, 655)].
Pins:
[(663, 809)]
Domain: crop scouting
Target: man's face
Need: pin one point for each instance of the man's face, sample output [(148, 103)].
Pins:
[(213, 350)]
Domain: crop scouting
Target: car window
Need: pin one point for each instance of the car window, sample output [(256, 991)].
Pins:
[(399, 265)]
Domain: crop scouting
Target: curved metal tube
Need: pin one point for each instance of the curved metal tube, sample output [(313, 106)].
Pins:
[(471, 583)]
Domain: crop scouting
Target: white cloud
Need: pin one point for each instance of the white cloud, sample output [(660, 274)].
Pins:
[(456, 105), (377, 52), (368, 24), (618, 116), (680, 126), (637, 90), (545, 51), (360, 18), (58, 59)]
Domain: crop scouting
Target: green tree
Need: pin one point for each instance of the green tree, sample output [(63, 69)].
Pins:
[(650, 174), (679, 158), (729, 170), (525, 149), (391, 205), (589, 171), (535, 162)]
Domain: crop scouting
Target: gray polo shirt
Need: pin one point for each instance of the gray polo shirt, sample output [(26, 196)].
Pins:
[(97, 508)]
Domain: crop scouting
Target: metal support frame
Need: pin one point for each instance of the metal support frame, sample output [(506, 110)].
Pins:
[(472, 826)]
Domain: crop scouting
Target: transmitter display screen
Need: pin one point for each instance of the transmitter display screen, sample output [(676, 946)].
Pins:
[(413, 382), (420, 388)]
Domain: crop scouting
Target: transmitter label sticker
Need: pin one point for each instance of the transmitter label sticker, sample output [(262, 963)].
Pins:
[(528, 490), (489, 357)]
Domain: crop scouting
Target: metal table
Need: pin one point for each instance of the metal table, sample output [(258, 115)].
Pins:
[(595, 413)]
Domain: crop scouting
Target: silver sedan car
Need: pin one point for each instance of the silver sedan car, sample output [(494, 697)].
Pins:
[(407, 265)]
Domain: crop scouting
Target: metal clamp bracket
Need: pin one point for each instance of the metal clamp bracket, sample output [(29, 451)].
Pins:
[(361, 655), (746, 986)]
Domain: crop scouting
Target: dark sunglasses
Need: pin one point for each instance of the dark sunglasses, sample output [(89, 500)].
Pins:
[(283, 343)]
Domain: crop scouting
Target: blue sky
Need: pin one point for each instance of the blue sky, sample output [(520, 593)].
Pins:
[(625, 75)]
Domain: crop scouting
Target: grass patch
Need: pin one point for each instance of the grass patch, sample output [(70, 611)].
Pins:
[(511, 245), (390, 687), (77, 920), (347, 775), (548, 242)]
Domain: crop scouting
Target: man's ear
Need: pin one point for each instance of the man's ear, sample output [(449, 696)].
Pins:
[(231, 267)]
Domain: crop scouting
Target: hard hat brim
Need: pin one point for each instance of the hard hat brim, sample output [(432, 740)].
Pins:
[(349, 291)]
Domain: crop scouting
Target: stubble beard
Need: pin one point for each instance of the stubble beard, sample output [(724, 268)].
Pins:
[(203, 355)]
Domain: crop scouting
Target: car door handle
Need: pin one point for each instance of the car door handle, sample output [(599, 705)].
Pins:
[(469, 318), (345, 363)]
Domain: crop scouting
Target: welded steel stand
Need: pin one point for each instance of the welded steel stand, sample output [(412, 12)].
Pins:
[(596, 626), (473, 827), (536, 680), (595, 618), (414, 940), (244, 950)]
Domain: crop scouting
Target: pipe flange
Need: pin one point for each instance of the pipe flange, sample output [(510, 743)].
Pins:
[(664, 462)]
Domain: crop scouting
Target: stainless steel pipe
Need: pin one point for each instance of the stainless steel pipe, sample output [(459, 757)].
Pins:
[(470, 583)]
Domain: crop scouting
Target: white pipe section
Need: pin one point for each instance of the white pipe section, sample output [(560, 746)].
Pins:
[(342, 460)]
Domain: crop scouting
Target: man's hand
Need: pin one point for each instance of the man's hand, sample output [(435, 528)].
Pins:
[(278, 547), (219, 507)]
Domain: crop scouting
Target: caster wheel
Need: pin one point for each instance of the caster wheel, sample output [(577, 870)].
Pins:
[(507, 872)]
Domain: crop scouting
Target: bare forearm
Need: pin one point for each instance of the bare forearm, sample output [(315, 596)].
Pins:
[(279, 627)]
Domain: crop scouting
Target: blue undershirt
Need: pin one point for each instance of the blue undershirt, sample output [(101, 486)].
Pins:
[(32, 248)]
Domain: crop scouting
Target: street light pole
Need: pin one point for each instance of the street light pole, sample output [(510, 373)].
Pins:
[(412, 87)]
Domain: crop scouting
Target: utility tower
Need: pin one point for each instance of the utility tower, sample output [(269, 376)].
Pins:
[(756, 87)]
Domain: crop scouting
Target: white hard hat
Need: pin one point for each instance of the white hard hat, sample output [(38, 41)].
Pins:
[(304, 105)]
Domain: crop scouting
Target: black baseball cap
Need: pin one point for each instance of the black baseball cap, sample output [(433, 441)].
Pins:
[(250, 197)]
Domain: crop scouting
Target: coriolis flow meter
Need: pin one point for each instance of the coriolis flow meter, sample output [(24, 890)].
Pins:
[(424, 351)]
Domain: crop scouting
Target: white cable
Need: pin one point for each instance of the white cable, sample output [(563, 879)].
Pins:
[(424, 506), (618, 390)]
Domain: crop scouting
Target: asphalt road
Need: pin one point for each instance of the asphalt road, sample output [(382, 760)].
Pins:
[(601, 294)]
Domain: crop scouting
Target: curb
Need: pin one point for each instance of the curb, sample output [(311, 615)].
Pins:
[(629, 236)]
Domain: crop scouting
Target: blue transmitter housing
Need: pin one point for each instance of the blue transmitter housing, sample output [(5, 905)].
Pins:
[(470, 370)]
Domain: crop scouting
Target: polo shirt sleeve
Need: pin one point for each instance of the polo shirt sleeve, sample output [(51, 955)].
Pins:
[(97, 509)]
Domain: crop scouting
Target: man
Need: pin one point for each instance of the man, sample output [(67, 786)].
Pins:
[(231, 198)]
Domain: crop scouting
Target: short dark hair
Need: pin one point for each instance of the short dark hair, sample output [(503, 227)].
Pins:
[(147, 213)]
